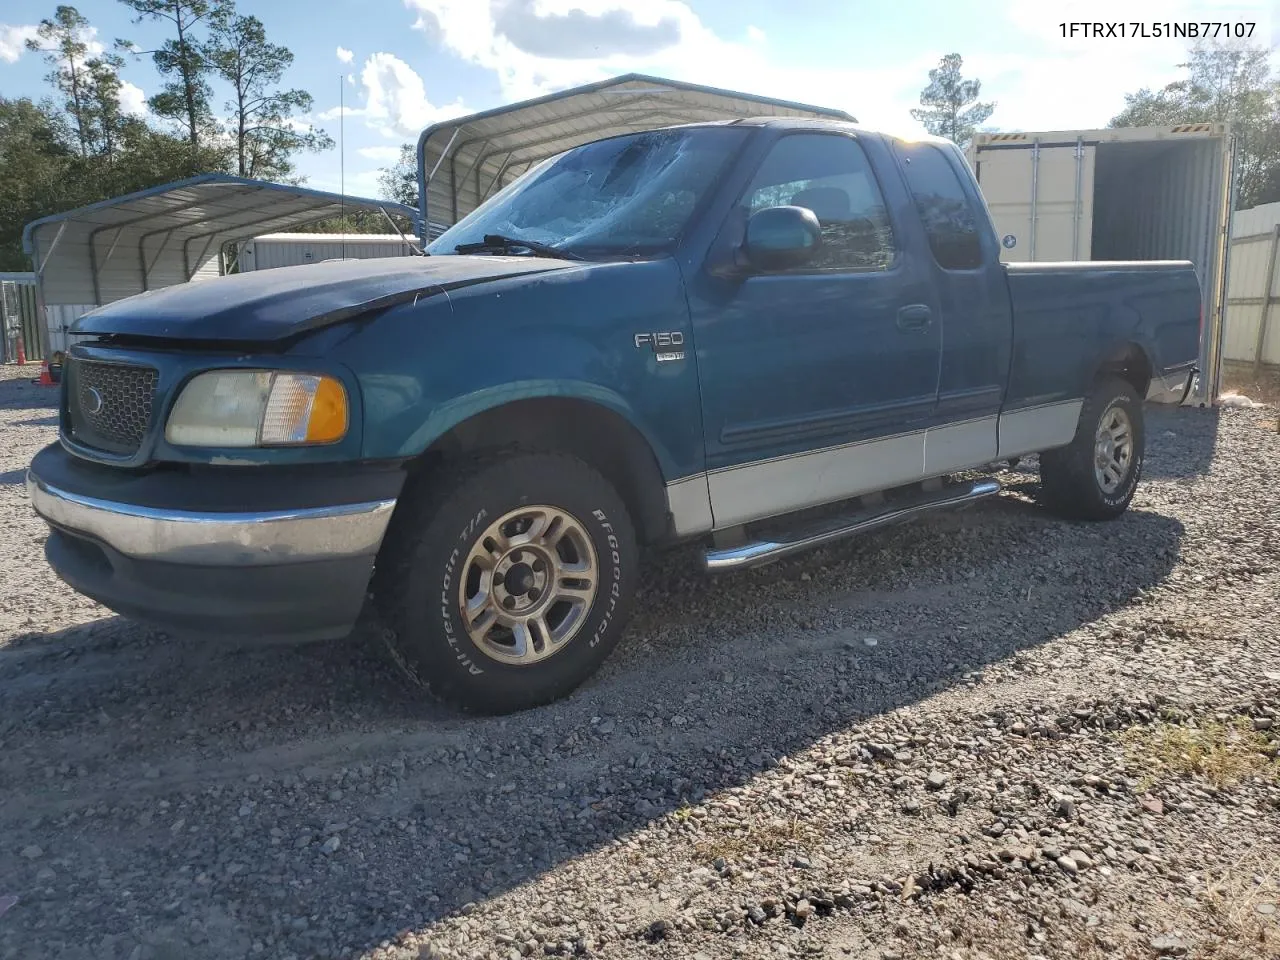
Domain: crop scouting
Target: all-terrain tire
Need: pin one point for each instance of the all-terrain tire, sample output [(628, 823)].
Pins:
[(425, 559), (1071, 484)]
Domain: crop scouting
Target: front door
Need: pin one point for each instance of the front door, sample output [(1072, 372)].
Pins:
[(817, 382)]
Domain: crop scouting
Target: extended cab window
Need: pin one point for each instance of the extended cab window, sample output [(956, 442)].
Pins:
[(949, 218), (830, 175)]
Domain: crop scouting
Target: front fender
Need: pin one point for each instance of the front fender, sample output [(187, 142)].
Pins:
[(427, 367), (460, 409)]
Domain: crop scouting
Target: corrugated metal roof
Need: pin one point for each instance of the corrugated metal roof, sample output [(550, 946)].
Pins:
[(335, 237), (463, 161), (169, 234)]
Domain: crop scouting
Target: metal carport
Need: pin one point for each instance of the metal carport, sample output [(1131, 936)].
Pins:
[(165, 235), (462, 162)]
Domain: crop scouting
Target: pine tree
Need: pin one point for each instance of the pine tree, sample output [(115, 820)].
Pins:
[(265, 130), (949, 104), (180, 59), (61, 39)]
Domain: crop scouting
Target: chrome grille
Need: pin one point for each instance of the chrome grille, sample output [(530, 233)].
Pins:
[(109, 404)]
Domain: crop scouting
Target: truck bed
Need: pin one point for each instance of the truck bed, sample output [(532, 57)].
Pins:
[(1066, 315)]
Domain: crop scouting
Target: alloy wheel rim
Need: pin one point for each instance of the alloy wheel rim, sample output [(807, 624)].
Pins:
[(1113, 450), (527, 585)]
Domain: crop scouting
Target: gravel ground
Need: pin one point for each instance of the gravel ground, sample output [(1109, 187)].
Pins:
[(995, 735)]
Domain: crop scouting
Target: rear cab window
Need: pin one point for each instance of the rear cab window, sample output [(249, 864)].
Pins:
[(950, 220)]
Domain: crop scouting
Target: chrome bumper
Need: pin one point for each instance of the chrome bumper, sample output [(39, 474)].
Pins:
[(1169, 388), (217, 539)]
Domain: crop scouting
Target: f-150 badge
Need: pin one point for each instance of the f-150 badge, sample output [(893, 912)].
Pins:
[(666, 346)]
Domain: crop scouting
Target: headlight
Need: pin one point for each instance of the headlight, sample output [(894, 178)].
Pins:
[(258, 408)]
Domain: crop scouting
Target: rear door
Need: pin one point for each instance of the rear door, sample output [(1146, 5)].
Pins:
[(1042, 194), (974, 309)]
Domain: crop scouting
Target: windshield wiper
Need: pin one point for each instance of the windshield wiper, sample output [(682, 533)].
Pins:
[(499, 242)]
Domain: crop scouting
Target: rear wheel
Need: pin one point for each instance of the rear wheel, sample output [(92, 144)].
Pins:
[(1096, 475), (506, 583)]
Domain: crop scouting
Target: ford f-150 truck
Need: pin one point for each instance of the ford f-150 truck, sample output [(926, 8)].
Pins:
[(764, 335)]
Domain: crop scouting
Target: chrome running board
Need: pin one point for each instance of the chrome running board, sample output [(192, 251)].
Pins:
[(759, 552)]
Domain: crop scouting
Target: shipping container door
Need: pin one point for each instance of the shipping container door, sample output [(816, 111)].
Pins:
[(1042, 196)]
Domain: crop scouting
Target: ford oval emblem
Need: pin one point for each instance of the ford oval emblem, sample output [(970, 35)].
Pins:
[(95, 401)]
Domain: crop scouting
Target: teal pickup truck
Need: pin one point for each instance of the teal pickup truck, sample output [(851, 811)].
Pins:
[(761, 335)]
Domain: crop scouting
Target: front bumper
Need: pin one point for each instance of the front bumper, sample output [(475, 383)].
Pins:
[(266, 569)]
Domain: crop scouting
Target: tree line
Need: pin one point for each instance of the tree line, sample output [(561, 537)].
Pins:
[(221, 108)]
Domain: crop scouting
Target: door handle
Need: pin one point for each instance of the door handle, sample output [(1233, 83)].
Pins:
[(915, 317)]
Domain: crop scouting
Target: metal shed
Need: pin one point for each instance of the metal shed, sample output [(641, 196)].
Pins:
[(165, 235), (462, 162)]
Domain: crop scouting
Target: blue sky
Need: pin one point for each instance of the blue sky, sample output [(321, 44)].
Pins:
[(407, 63)]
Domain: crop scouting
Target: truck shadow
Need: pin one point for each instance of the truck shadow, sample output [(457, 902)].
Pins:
[(715, 680), (1180, 441)]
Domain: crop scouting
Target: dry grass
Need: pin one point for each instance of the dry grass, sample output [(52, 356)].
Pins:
[(765, 839), (1263, 387), (1224, 754), (1233, 898)]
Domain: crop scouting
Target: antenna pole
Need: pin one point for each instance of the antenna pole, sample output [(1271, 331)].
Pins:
[(342, 162)]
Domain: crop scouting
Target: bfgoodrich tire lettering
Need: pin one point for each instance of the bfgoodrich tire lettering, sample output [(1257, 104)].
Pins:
[(457, 554), (1096, 475)]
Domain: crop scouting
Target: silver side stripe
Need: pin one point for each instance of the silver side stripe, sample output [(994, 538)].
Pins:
[(1034, 429), (730, 496), (689, 501)]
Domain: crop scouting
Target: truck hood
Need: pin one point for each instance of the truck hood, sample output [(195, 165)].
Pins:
[(266, 305)]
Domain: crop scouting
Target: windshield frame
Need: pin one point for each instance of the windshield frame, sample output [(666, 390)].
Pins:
[(460, 232)]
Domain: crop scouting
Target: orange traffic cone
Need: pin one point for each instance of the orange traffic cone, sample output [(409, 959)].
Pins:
[(45, 379)]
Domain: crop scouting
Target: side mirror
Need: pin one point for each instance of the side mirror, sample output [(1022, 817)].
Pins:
[(779, 238)]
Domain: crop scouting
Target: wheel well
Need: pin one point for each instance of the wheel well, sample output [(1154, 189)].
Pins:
[(586, 430), (1129, 362)]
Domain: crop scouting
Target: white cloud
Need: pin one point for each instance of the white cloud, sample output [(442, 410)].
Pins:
[(345, 55), (13, 40), (1038, 79), (588, 30), (381, 154), (396, 99), (358, 183), (333, 113), (470, 30), (132, 99), (88, 36), (539, 45)]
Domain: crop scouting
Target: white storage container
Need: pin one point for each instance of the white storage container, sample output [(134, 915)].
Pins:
[(1130, 193), (290, 249)]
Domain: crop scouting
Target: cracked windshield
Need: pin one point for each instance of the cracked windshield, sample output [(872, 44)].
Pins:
[(623, 196)]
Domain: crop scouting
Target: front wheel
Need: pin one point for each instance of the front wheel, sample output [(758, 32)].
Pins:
[(508, 582), (1096, 475)]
